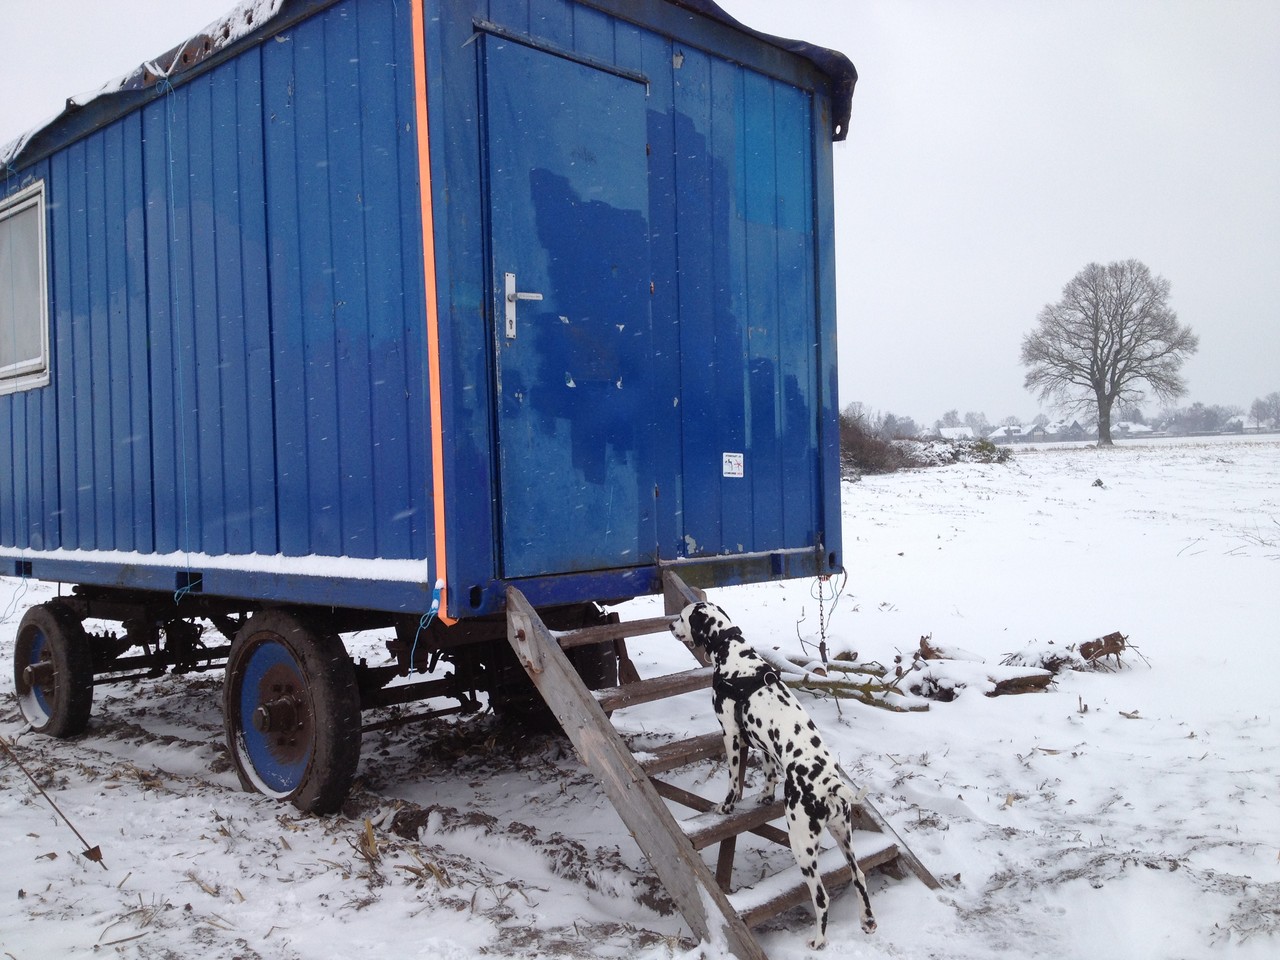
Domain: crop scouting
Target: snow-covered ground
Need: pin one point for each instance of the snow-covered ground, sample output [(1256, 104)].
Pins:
[(1132, 813)]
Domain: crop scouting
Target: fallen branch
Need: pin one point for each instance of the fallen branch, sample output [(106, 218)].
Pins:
[(932, 651), (789, 666), (872, 668), (1032, 681), (1045, 657), (1112, 645), (871, 692), (938, 673)]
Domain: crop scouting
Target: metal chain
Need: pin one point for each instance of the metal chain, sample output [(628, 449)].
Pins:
[(822, 619)]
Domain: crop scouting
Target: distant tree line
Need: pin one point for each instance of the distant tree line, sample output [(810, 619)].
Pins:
[(872, 442), (1201, 418), (866, 441), (860, 423)]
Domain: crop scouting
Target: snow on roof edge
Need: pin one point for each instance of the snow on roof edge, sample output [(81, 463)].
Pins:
[(242, 20), (251, 15)]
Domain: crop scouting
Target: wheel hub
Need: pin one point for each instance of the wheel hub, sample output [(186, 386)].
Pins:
[(281, 715), (42, 674)]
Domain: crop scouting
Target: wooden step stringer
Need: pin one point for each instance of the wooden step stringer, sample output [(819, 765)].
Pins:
[(670, 847)]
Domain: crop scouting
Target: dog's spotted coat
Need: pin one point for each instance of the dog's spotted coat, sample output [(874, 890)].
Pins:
[(756, 709)]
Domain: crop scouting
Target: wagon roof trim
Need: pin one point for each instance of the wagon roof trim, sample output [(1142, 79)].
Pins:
[(838, 68), (253, 20)]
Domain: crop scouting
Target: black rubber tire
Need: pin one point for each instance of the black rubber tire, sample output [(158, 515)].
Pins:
[(301, 682), (60, 704)]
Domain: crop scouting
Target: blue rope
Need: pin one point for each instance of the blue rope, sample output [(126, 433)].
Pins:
[(425, 622), (19, 592)]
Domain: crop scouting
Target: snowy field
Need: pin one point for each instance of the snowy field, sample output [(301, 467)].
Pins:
[(1132, 813)]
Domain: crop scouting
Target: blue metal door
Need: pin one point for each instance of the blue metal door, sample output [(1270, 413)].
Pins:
[(569, 209)]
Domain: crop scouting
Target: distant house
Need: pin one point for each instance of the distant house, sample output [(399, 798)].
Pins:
[(1127, 428), (956, 433), (1064, 430), (1253, 425), (1009, 433)]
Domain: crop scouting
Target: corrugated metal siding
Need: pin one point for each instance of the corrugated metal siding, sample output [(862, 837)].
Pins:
[(264, 216), (344, 238), (737, 318), (237, 314), (746, 276)]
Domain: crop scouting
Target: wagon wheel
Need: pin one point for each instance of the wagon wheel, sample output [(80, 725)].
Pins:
[(291, 711), (53, 670)]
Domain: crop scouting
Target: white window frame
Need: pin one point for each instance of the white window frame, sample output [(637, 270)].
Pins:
[(32, 373)]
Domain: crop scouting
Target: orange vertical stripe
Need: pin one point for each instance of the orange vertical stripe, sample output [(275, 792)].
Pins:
[(433, 314)]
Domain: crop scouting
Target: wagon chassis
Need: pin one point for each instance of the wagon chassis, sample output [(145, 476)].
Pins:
[(294, 696)]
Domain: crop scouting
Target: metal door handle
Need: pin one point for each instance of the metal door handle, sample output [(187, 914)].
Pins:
[(512, 296)]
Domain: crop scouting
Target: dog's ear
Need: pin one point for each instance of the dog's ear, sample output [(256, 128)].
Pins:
[(696, 616), (722, 619), (710, 626)]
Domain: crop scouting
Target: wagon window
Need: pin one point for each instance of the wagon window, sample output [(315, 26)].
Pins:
[(24, 328)]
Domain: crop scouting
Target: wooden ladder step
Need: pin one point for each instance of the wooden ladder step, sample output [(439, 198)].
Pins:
[(754, 820), (782, 891), (603, 632), (658, 688), (681, 753), (750, 814)]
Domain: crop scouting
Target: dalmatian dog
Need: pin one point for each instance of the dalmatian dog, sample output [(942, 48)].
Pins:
[(756, 709)]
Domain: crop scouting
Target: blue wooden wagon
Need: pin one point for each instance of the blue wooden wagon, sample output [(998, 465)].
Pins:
[(358, 313)]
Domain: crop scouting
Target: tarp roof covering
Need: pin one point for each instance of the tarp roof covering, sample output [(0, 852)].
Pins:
[(837, 67), (254, 17)]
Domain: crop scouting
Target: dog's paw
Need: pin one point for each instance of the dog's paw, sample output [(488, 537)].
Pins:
[(817, 943), (869, 925), (726, 808)]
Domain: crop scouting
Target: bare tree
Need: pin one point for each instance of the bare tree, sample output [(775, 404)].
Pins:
[(1132, 413), (1266, 410), (977, 422), (1111, 332)]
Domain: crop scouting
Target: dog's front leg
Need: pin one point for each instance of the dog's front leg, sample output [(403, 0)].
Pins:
[(735, 749), (770, 775)]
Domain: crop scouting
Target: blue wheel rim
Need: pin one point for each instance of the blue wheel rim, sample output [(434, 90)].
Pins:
[(35, 698), (276, 771)]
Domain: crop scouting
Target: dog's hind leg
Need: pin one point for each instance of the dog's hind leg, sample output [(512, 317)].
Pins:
[(804, 833), (841, 827)]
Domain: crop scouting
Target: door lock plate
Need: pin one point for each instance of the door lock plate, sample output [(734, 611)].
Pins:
[(512, 295)]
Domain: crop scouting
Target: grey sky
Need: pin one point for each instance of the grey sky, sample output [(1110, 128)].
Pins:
[(996, 147)]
